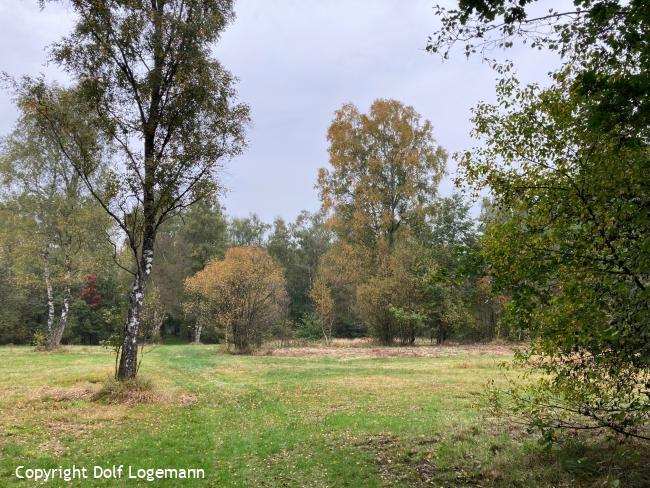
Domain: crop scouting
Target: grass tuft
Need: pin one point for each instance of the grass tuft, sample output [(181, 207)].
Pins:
[(128, 392)]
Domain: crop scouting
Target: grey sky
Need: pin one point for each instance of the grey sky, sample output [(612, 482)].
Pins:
[(298, 61)]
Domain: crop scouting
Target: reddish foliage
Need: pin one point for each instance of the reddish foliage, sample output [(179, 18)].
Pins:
[(90, 294)]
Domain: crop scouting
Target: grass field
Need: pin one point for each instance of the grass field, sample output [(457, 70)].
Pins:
[(296, 418)]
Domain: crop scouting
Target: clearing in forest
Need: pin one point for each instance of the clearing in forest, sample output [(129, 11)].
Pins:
[(347, 416)]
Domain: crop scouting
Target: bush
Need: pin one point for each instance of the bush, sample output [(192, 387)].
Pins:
[(350, 329), (39, 340), (309, 327), (245, 293)]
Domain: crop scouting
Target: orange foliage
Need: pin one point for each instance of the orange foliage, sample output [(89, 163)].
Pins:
[(246, 290)]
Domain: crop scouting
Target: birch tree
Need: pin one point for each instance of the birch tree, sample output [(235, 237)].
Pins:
[(165, 106), (385, 170), (380, 188), (324, 305), (53, 217)]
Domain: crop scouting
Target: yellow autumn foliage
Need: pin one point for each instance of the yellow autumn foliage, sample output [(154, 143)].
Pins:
[(244, 293), (385, 170)]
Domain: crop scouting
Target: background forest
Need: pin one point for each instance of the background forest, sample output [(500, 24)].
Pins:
[(77, 258)]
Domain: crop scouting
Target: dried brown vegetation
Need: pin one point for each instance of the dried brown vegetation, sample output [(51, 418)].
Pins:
[(353, 349)]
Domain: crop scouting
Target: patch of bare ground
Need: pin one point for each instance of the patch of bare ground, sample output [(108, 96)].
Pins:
[(364, 349), (54, 446)]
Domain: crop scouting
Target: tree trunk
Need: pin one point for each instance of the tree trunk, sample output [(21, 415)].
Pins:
[(129, 352), (327, 332), (56, 335), (197, 333), (128, 366), (50, 293)]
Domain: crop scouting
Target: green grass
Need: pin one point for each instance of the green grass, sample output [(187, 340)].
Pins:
[(290, 421)]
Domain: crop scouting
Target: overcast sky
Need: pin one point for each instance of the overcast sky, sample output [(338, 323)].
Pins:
[(297, 62)]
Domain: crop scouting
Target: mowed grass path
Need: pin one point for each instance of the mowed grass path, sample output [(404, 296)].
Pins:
[(269, 421)]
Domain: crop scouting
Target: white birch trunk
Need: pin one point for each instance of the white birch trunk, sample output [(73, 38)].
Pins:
[(197, 332), (50, 293), (128, 365), (57, 334)]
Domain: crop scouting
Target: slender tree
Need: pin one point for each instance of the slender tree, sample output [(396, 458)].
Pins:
[(163, 104), (324, 305)]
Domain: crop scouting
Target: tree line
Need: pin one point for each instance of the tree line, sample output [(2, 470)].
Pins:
[(340, 272)]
